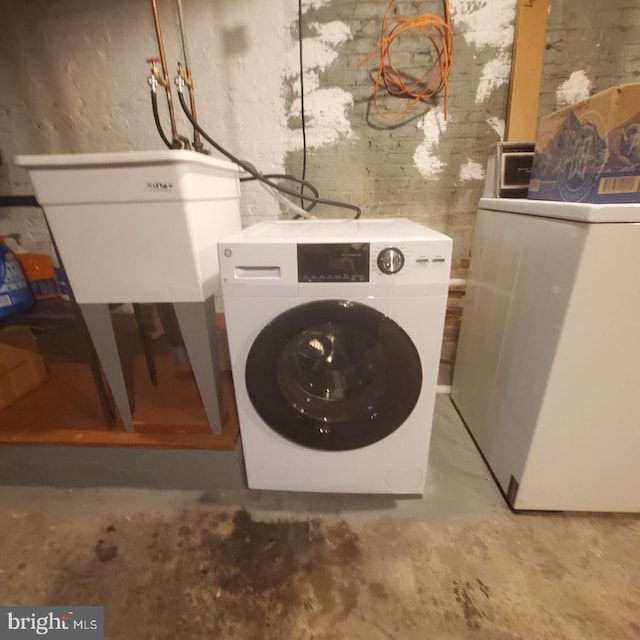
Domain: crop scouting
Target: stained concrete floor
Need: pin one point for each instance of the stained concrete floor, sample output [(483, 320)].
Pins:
[(235, 564)]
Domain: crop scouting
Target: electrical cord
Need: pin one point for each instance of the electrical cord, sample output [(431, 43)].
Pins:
[(434, 80), (251, 170), (303, 125)]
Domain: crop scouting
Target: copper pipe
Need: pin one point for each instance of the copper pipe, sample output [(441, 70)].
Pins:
[(165, 77), (197, 142)]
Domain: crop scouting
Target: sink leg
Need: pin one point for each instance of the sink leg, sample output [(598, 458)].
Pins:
[(98, 320), (197, 321)]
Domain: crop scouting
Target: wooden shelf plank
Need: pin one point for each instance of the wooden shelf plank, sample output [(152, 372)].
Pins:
[(526, 70), (165, 437)]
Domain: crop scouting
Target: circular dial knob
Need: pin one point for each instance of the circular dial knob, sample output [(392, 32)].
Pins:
[(390, 260)]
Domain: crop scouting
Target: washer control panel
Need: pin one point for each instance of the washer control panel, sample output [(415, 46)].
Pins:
[(360, 261), (390, 260), (336, 258), (333, 262), (408, 262)]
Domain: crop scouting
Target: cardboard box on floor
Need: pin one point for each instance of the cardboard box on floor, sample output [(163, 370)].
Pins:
[(22, 368), (590, 151)]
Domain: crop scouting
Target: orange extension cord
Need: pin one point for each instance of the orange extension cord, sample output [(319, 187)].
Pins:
[(434, 79)]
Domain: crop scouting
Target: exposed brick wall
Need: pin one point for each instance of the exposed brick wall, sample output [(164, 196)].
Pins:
[(600, 38), (376, 167)]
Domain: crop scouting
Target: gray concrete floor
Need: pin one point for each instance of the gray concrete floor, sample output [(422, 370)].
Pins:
[(231, 563)]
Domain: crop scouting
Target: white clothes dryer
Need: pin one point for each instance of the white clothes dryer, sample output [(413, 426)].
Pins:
[(547, 371), (335, 330)]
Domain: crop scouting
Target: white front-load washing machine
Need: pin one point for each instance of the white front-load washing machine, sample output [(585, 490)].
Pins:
[(335, 330)]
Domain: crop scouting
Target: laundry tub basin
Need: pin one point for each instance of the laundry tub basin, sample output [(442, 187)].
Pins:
[(138, 226)]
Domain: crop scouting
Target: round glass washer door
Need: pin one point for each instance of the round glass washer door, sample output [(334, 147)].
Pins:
[(333, 375)]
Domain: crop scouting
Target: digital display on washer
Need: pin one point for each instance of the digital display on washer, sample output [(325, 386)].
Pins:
[(344, 262)]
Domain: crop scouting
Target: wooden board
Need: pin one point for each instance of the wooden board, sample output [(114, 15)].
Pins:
[(526, 70), (65, 409)]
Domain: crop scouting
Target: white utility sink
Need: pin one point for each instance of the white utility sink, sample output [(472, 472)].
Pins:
[(138, 226), (142, 227)]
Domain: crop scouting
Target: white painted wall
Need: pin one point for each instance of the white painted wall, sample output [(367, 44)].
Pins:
[(76, 75)]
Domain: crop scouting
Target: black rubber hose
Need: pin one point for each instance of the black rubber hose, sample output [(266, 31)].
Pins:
[(156, 117), (286, 176), (272, 176), (249, 168)]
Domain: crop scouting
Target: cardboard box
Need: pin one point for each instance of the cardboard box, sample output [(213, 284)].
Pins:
[(590, 152), (22, 368)]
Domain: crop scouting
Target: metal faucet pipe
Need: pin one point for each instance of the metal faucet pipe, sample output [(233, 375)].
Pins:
[(197, 142), (163, 68)]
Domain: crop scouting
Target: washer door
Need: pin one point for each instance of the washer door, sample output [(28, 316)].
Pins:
[(333, 375)]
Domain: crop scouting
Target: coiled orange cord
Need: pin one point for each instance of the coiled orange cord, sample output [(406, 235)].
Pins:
[(434, 79)]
